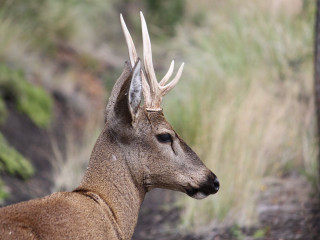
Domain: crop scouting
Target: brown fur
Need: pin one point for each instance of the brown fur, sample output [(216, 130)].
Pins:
[(127, 161)]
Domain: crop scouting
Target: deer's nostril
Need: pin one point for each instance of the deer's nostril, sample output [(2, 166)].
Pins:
[(216, 184)]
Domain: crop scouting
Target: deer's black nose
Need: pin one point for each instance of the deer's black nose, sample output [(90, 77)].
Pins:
[(216, 184), (210, 186)]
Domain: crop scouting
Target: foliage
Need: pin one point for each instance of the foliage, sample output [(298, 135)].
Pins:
[(236, 232), (3, 111), (260, 233), (3, 193), (166, 14), (47, 27), (13, 162), (48, 24), (29, 99), (36, 103)]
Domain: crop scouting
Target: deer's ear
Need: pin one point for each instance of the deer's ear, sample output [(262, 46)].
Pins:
[(125, 96), (134, 96)]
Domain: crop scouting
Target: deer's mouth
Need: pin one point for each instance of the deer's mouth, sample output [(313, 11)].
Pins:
[(211, 186), (196, 193)]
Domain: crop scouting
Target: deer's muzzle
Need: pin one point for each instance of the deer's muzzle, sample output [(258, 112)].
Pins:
[(210, 186)]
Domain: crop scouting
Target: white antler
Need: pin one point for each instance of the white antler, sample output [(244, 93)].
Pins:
[(132, 50), (154, 91)]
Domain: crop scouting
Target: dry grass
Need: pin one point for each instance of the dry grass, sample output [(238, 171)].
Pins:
[(247, 104), (69, 166)]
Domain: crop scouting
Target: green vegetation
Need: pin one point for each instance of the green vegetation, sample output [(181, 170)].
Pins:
[(3, 193), (260, 233), (29, 99), (45, 25), (46, 22), (31, 33), (3, 111), (36, 103), (166, 14), (13, 162), (236, 232)]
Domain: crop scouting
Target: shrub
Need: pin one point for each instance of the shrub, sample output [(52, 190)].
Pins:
[(13, 162), (3, 193), (165, 14), (29, 99), (3, 111)]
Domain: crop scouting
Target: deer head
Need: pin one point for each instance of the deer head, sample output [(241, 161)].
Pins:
[(156, 155)]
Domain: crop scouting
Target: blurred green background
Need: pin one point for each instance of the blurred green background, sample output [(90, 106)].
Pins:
[(244, 103)]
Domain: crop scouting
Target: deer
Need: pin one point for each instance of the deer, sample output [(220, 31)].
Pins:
[(137, 151)]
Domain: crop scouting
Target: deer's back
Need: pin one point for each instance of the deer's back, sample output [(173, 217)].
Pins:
[(58, 216)]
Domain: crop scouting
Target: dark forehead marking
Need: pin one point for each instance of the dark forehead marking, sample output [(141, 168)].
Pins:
[(157, 119), (155, 116)]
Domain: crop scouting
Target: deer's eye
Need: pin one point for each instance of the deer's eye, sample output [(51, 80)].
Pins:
[(164, 138)]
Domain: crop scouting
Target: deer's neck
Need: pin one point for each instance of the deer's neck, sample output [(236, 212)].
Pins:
[(109, 176)]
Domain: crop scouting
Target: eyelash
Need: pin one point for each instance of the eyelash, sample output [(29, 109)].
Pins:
[(164, 138)]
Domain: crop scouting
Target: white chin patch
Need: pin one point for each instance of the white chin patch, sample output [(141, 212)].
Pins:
[(200, 195)]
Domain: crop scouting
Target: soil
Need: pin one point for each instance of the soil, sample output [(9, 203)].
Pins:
[(288, 210)]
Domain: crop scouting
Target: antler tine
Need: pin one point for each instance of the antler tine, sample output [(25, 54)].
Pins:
[(168, 74), (147, 56), (131, 48), (146, 90), (171, 85)]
